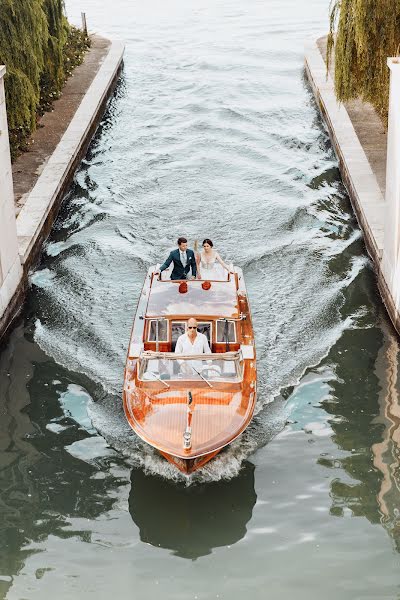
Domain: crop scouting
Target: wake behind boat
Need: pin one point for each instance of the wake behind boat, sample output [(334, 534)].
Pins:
[(190, 407)]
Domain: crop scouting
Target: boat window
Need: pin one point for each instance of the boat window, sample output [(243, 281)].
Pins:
[(153, 369), (211, 370), (177, 329), (162, 331), (226, 331), (205, 328)]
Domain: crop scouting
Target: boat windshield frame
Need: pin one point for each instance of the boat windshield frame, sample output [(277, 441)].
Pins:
[(193, 361)]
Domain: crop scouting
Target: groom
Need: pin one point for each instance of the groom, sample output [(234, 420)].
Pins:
[(183, 259)]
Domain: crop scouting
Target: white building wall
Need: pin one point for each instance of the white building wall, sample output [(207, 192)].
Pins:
[(391, 262), (10, 266)]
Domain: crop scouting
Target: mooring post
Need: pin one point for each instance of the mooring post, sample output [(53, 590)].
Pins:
[(391, 258), (84, 24), (10, 265)]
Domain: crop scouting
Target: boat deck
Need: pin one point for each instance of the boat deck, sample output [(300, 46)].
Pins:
[(216, 417), (166, 300)]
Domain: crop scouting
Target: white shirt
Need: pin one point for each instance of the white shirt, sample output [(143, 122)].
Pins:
[(185, 346)]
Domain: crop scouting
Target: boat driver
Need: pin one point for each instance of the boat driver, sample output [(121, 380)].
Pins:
[(192, 342)]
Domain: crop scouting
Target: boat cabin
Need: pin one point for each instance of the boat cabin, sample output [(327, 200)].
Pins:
[(216, 309)]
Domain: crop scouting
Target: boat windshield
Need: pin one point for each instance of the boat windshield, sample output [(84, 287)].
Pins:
[(210, 368)]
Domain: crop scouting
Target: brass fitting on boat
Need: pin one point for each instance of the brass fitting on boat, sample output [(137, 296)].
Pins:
[(187, 438)]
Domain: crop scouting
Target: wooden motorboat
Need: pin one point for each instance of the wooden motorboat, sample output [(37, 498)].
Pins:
[(190, 407)]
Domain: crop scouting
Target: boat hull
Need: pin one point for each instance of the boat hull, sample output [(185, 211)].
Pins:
[(195, 459), (189, 465), (189, 419)]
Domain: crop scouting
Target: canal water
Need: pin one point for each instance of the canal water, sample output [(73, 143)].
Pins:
[(212, 132)]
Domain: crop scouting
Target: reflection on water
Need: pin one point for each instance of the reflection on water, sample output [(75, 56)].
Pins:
[(364, 404), (42, 484), (387, 451), (193, 520), (353, 406)]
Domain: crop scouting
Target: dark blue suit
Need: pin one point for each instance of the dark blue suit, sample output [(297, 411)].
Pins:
[(179, 271)]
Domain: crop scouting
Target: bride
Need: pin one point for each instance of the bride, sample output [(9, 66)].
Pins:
[(209, 263)]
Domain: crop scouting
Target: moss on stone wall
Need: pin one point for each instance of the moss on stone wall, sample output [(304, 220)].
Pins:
[(34, 35), (363, 33)]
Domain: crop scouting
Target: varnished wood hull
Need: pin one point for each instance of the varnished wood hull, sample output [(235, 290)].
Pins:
[(215, 425), (189, 465), (159, 412)]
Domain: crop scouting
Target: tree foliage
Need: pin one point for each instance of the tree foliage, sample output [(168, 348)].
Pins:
[(363, 33), (34, 35)]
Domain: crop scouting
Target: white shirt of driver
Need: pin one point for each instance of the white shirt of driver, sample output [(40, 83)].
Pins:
[(200, 346)]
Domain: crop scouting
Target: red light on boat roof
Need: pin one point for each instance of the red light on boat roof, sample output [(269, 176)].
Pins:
[(183, 287), (206, 285)]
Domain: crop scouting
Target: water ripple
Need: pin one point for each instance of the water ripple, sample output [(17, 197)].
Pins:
[(212, 133)]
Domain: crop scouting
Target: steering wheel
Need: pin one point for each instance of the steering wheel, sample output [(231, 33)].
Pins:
[(212, 370)]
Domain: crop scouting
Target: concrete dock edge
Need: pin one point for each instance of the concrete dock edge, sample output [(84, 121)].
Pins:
[(358, 177), (37, 215), (365, 194)]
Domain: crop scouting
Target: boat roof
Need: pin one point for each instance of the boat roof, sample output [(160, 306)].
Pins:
[(220, 300)]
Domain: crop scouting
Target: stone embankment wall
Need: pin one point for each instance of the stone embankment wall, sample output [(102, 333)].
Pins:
[(376, 205), (11, 271), (21, 237)]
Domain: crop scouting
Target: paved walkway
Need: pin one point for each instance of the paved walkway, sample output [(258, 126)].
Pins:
[(52, 126), (368, 127)]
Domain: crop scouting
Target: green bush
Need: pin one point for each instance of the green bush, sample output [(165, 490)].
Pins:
[(363, 33), (38, 47)]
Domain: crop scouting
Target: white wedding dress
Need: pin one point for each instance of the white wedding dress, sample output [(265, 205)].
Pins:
[(212, 269)]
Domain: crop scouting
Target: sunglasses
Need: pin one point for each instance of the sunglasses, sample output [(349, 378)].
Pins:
[(192, 327)]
